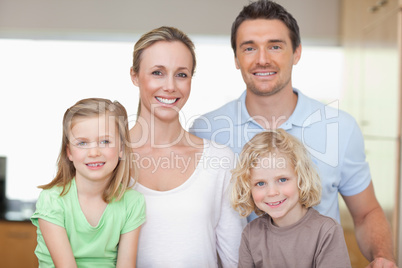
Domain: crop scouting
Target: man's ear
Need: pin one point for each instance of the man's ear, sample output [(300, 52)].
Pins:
[(134, 77), (236, 62), (297, 55)]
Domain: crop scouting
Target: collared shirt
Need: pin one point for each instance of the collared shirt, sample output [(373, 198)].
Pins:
[(332, 137)]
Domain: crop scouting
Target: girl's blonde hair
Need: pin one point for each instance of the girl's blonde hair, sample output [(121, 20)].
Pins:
[(120, 179), (266, 143), (164, 33)]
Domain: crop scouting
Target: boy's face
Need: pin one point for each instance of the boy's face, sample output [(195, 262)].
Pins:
[(274, 189)]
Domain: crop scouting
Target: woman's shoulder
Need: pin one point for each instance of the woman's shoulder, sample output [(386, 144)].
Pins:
[(218, 149)]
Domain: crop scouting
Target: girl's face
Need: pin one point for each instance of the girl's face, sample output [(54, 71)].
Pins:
[(94, 147), (274, 189), (164, 79)]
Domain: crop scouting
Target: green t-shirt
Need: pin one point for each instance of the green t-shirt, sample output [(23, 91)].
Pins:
[(91, 246)]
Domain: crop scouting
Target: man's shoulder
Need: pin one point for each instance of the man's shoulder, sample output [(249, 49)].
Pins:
[(329, 110), (218, 118), (227, 109)]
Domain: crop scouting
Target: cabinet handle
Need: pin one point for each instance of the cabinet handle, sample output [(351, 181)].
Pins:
[(19, 235), (379, 4)]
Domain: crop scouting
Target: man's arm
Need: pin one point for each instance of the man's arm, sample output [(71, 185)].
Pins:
[(373, 231)]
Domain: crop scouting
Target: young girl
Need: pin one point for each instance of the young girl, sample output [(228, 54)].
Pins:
[(87, 216), (276, 179)]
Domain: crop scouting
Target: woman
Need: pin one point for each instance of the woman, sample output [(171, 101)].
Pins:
[(184, 178)]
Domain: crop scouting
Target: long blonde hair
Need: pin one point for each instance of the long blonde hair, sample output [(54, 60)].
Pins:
[(120, 179), (262, 144)]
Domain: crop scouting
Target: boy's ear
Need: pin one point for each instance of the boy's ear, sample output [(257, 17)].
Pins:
[(121, 153), (134, 77)]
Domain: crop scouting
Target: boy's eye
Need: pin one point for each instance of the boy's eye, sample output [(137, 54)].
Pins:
[(260, 183), (283, 180)]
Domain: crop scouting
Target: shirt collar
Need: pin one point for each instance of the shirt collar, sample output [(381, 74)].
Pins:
[(300, 116)]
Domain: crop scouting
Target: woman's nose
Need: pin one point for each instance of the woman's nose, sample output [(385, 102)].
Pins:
[(169, 84)]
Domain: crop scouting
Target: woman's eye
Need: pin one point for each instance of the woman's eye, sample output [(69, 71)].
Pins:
[(157, 73), (183, 75), (260, 183)]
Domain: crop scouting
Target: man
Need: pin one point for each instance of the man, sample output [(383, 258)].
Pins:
[(266, 43)]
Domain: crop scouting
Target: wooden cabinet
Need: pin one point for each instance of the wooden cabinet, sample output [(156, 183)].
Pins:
[(17, 245), (371, 38)]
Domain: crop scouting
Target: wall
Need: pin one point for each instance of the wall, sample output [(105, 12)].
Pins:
[(104, 19)]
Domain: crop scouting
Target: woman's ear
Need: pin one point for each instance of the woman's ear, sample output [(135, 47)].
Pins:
[(134, 77)]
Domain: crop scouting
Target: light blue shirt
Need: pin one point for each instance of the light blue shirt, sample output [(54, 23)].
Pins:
[(332, 137)]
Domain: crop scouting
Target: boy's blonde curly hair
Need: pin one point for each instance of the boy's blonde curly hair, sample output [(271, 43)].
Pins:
[(263, 144)]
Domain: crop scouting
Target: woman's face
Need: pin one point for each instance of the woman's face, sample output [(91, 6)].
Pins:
[(164, 79)]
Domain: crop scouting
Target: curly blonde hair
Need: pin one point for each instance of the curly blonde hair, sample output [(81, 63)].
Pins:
[(262, 144)]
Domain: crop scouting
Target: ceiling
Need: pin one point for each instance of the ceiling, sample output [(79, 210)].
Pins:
[(121, 19)]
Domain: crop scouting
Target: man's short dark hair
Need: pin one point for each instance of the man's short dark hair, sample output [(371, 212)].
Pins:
[(265, 9)]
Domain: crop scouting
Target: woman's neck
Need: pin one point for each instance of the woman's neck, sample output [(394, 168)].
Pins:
[(157, 134)]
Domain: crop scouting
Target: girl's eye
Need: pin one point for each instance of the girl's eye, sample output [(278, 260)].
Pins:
[(260, 183), (105, 142), (183, 75), (283, 180), (82, 143), (157, 73)]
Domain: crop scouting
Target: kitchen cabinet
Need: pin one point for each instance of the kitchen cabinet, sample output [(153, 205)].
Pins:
[(371, 38), (17, 245)]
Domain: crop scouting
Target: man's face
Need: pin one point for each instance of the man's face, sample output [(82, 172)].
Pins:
[(265, 56)]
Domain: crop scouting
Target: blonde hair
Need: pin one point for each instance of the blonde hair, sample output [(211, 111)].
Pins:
[(120, 179), (164, 33), (262, 144)]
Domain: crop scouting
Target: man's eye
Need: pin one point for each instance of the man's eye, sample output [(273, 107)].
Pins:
[(248, 49), (276, 47)]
